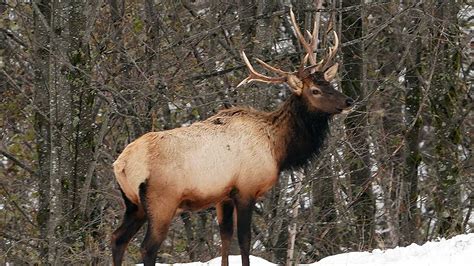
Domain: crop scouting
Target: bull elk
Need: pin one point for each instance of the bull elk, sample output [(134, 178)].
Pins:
[(228, 160)]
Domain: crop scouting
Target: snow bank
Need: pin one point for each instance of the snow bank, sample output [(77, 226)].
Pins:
[(457, 251)]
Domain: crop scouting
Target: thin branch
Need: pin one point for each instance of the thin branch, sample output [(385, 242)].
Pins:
[(8, 195), (25, 167), (14, 37)]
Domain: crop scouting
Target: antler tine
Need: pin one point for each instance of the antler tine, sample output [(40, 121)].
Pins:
[(332, 52), (272, 68), (315, 35), (317, 18), (324, 63), (255, 76), (307, 46), (301, 68)]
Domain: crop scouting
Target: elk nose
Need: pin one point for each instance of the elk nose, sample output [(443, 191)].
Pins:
[(349, 102)]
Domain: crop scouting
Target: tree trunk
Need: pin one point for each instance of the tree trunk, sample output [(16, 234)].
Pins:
[(356, 127), (409, 212), (247, 10), (293, 227), (41, 56), (444, 102), (326, 240), (277, 214)]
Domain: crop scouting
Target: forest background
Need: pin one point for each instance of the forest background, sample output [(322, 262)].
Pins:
[(79, 80)]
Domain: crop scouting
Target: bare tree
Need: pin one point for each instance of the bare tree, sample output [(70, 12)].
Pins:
[(356, 127)]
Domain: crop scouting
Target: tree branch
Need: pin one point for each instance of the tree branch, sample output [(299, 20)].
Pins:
[(25, 167)]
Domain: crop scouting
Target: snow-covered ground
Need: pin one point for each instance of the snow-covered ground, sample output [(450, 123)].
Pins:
[(457, 251)]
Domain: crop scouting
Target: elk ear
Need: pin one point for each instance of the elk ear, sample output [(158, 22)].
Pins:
[(295, 84), (331, 72)]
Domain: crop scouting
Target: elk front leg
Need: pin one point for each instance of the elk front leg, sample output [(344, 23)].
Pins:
[(244, 220), (225, 217)]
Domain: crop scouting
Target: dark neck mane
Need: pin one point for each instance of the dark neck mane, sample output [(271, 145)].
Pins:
[(298, 133)]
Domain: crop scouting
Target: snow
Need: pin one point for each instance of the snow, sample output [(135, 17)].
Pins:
[(233, 260), (458, 250)]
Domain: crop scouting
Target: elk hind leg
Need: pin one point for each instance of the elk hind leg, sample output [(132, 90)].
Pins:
[(160, 211), (133, 219), (225, 217)]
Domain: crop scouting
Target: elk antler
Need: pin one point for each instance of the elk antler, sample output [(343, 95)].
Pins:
[(309, 47), (294, 79), (312, 46), (255, 76), (332, 52), (324, 63), (291, 78)]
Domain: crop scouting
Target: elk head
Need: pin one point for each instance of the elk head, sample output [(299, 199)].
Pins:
[(311, 83)]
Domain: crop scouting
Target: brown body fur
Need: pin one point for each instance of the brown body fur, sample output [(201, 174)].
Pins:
[(201, 164)]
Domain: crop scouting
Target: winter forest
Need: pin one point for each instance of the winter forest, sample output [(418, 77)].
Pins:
[(81, 79)]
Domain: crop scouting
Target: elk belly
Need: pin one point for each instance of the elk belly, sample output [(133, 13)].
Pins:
[(242, 164), (207, 174)]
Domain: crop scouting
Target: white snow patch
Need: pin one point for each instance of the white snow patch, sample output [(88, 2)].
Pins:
[(457, 251), (233, 260)]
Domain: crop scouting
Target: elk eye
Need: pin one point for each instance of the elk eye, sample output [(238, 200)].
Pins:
[(315, 92)]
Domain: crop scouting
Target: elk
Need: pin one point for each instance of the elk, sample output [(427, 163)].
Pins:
[(228, 160)]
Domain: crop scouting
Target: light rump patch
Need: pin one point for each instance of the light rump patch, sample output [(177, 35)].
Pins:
[(131, 169)]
